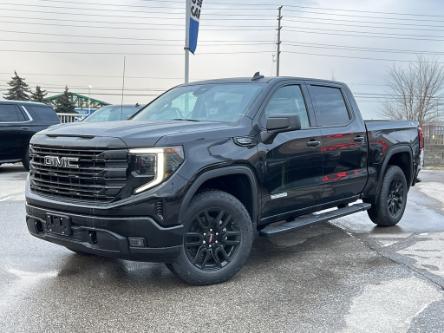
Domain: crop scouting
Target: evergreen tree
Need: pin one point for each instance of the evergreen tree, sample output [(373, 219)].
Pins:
[(39, 94), (18, 90), (64, 103)]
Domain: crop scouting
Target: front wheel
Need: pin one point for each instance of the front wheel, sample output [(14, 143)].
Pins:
[(217, 241), (390, 204)]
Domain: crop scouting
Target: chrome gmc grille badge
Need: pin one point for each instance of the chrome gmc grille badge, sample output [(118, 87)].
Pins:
[(62, 162)]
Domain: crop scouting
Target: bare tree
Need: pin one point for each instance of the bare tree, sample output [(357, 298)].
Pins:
[(415, 91)]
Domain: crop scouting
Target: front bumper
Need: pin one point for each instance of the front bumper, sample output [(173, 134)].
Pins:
[(109, 236)]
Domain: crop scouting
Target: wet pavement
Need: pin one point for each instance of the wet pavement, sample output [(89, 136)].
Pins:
[(345, 276)]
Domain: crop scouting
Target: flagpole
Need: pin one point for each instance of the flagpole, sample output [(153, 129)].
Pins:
[(187, 41)]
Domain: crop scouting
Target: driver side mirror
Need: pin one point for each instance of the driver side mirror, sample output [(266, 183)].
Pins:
[(279, 124)]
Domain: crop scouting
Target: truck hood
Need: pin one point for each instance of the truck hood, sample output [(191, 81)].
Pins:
[(142, 133)]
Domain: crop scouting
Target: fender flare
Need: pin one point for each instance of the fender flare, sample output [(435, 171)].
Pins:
[(224, 171), (403, 148)]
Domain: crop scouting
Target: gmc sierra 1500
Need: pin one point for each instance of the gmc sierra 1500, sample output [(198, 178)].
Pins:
[(198, 172)]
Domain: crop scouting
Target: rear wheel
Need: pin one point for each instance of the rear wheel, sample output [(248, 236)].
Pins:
[(218, 237), (390, 204)]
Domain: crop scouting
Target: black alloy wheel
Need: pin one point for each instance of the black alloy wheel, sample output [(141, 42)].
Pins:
[(395, 200), (218, 237), (388, 208), (213, 238)]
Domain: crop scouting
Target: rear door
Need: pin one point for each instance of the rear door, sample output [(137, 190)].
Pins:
[(344, 147), (12, 125), (293, 163)]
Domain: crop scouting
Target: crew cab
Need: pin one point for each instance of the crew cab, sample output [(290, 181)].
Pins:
[(196, 174), (19, 121)]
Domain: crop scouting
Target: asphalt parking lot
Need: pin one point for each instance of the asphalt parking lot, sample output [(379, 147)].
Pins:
[(345, 276)]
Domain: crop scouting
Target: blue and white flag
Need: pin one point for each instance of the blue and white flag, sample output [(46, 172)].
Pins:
[(195, 7)]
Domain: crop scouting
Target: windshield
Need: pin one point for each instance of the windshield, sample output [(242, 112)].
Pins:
[(113, 113), (209, 102)]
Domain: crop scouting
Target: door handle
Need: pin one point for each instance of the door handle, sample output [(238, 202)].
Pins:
[(359, 138), (313, 143), (24, 128)]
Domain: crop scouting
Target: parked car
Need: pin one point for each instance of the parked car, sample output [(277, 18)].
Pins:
[(19, 121), (113, 113), (198, 172)]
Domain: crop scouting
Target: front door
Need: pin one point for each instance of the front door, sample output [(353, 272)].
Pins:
[(293, 163)]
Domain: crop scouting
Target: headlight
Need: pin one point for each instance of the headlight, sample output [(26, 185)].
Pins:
[(155, 164)]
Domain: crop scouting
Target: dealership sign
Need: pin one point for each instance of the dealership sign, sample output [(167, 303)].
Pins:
[(193, 16)]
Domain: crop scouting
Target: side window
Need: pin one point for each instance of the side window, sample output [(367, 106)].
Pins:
[(42, 113), (288, 100), (11, 113), (329, 106)]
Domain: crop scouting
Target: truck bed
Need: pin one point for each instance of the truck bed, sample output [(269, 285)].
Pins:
[(384, 134), (386, 137)]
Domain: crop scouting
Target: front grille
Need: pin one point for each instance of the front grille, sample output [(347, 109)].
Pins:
[(100, 176)]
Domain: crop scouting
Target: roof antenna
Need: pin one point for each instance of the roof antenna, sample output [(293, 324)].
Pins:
[(257, 76)]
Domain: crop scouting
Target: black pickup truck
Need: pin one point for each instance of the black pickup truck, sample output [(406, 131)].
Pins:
[(196, 174)]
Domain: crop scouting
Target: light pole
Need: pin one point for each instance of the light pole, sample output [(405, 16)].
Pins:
[(278, 43), (187, 41)]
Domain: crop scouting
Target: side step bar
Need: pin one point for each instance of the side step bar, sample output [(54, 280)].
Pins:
[(302, 221)]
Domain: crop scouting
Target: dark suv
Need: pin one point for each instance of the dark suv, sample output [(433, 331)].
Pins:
[(19, 121), (197, 173)]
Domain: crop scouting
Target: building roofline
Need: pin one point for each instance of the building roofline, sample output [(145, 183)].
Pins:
[(54, 97)]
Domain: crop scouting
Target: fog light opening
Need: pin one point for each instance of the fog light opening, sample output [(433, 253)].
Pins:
[(39, 226)]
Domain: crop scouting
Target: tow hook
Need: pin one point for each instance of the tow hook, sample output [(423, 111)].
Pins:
[(92, 237)]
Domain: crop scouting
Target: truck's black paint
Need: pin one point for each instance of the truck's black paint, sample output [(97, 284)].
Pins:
[(15, 135), (329, 166)]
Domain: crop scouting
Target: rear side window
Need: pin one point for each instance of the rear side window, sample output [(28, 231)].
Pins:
[(289, 101), (11, 113), (329, 106), (42, 113)]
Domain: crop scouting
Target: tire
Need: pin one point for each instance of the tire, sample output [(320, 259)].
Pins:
[(389, 207), (26, 160), (218, 236)]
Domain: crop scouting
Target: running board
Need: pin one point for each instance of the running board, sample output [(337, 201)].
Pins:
[(302, 221)]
